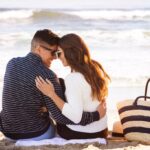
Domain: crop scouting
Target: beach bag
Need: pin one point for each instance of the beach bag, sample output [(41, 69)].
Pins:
[(135, 118)]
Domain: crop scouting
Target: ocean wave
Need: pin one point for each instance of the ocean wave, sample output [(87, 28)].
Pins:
[(106, 38), (119, 15), (33, 13), (112, 38), (13, 38), (15, 14)]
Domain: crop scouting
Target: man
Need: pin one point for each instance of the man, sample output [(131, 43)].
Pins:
[(22, 101)]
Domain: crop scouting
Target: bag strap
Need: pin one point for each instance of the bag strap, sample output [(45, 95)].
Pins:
[(146, 88), (145, 96)]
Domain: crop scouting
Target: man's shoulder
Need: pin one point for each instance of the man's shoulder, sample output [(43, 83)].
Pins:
[(12, 62), (15, 60)]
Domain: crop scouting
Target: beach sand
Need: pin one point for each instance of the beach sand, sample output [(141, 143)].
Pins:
[(112, 144)]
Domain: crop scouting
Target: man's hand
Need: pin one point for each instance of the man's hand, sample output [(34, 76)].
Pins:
[(102, 109), (43, 110)]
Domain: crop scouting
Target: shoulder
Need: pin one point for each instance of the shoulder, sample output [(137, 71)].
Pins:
[(11, 62), (74, 77), (15, 60), (15, 63)]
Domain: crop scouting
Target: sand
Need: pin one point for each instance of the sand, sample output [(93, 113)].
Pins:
[(113, 143)]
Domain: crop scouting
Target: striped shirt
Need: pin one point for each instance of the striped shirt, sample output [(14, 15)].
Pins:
[(21, 102)]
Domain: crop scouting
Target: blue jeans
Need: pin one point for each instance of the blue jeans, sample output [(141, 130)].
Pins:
[(50, 133)]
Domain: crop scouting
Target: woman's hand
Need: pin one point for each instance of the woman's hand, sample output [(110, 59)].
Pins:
[(45, 86)]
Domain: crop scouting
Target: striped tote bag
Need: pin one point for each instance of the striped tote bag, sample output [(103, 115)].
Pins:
[(135, 118)]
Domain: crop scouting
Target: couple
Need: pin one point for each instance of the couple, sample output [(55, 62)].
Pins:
[(29, 86)]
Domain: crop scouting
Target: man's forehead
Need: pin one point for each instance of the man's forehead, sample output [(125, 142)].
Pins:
[(53, 46), (47, 44)]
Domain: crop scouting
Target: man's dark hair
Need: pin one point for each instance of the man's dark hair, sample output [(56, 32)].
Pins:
[(46, 36)]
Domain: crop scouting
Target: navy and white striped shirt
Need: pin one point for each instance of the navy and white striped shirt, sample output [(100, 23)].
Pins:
[(22, 101)]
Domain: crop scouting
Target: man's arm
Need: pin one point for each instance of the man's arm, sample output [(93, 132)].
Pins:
[(87, 117)]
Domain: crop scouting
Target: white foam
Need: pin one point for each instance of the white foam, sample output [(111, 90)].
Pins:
[(13, 38), (113, 14), (117, 38), (15, 14)]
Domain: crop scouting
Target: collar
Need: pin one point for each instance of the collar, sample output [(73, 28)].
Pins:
[(34, 57)]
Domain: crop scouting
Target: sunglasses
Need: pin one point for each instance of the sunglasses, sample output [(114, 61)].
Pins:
[(49, 49), (58, 53)]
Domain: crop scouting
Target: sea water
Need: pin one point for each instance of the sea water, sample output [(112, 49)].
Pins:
[(118, 38)]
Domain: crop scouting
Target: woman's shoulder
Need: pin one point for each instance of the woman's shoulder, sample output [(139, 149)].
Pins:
[(74, 76), (76, 79)]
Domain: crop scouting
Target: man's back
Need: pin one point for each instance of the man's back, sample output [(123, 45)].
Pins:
[(21, 99)]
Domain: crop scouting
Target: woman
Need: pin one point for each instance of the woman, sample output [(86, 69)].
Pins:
[(86, 88)]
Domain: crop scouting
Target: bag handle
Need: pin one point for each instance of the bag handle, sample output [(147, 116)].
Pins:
[(145, 96), (146, 88)]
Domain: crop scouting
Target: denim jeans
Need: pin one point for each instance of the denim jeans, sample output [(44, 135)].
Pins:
[(50, 133)]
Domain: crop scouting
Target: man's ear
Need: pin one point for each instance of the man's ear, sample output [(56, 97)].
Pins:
[(37, 47)]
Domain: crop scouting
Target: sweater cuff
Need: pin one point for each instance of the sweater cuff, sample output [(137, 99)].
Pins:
[(96, 116)]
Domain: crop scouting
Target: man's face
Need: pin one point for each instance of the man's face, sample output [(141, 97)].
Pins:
[(46, 52)]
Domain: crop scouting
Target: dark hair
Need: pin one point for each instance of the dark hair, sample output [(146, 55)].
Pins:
[(78, 57), (46, 36)]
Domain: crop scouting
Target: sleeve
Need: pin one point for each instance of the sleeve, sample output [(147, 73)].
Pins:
[(74, 107)]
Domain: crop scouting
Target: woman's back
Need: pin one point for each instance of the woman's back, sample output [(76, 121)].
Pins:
[(79, 96)]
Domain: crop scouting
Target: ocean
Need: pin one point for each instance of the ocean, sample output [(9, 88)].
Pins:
[(118, 38)]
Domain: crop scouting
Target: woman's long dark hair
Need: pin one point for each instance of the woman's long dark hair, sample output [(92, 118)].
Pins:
[(78, 58)]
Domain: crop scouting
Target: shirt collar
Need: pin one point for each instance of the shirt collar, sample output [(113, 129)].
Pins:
[(34, 57)]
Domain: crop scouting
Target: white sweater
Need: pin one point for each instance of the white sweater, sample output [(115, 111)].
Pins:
[(78, 94)]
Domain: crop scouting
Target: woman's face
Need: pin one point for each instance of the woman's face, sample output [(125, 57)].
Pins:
[(61, 56)]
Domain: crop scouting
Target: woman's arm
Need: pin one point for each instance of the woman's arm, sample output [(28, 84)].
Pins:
[(73, 109), (46, 87)]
